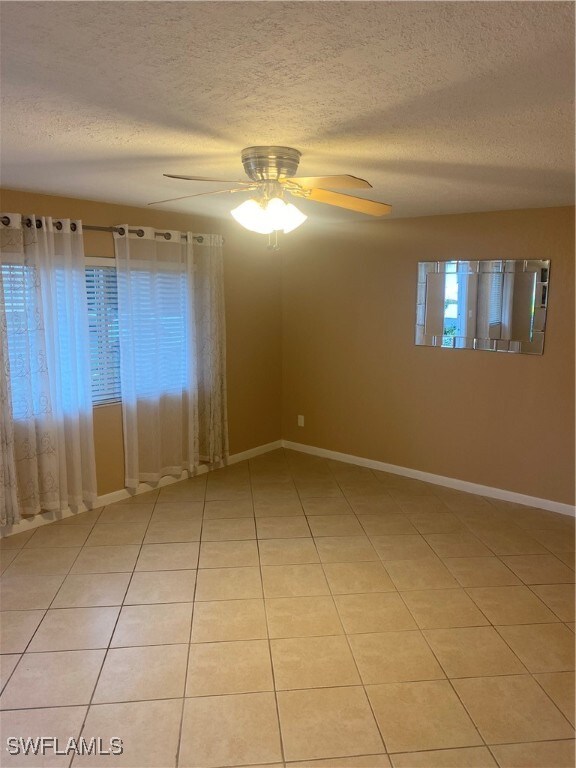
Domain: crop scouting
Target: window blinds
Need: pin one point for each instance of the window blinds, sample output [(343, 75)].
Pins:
[(102, 294)]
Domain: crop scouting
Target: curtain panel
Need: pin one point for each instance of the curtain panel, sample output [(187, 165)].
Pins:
[(46, 432), (172, 350)]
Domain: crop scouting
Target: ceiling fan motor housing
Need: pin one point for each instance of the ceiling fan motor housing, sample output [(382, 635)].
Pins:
[(270, 163)]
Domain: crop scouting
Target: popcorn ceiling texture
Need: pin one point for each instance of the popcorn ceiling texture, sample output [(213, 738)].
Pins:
[(443, 107)]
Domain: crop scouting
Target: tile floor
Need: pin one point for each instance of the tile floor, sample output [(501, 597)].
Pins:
[(294, 611)]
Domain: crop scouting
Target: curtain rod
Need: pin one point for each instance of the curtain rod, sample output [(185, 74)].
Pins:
[(140, 232)]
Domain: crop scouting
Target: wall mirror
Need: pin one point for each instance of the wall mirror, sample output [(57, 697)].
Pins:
[(496, 306)]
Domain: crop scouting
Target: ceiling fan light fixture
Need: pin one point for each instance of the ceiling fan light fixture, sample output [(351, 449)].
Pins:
[(267, 217)]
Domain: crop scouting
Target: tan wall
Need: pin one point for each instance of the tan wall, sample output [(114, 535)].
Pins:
[(351, 368), (252, 294)]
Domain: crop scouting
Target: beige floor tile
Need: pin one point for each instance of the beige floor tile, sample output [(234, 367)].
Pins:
[(228, 584), (52, 562), (168, 531), (106, 559), (353, 578), (16, 540), (460, 544), (8, 663), (149, 731), (335, 525), (153, 625), (6, 557), (17, 629), (81, 518), (287, 551), (509, 540), (318, 489), (480, 572), (375, 612), (294, 580), (282, 527), (168, 557), (229, 620), (225, 668), (473, 652), (560, 687), (311, 722), (127, 513), (313, 662), (74, 629), (511, 709), (135, 674), (443, 608), (302, 617), (555, 541), (402, 547), (327, 506), (59, 536), (418, 504), (148, 497), (510, 605), (392, 657), (23, 593), (364, 761), (387, 524), (235, 529), (161, 587), (189, 490), (382, 503), (242, 495), (92, 589), (228, 554), (345, 549), (178, 511), (59, 679), (459, 501), (427, 573), (559, 754), (217, 510), (421, 715), (436, 522), (467, 757), (541, 647), (569, 558), (559, 598), (540, 569), (61, 723), (230, 730), (113, 534), (290, 507)]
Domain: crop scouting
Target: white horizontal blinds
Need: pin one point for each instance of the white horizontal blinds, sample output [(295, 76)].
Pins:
[(25, 336), (102, 295), (495, 298), (159, 315)]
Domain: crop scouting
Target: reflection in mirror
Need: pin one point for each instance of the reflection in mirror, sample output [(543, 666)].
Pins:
[(497, 306)]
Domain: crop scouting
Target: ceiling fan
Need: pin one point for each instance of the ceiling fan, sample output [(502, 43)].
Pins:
[(271, 172)]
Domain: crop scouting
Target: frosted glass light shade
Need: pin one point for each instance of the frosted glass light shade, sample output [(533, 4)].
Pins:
[(273, 216)]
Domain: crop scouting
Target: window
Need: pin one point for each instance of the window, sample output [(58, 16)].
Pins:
[(102, 294)]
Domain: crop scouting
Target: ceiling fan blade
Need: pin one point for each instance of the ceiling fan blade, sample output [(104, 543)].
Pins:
[(359, 204), (199, 194), (206, 178), (333, 182)]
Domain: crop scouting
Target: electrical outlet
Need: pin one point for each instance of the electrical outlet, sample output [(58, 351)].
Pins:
[(300, 421)]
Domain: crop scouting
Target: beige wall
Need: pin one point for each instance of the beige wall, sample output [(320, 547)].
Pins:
[(351, 368), (252, 294)]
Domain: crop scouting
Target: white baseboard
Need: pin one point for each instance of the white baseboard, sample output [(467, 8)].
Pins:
[(448, 482), (253, 452)]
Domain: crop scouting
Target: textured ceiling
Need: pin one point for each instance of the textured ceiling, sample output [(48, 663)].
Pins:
[(443, 107)]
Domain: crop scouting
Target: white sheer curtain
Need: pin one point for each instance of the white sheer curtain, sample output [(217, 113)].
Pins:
[(172, 348), (46, 434)]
